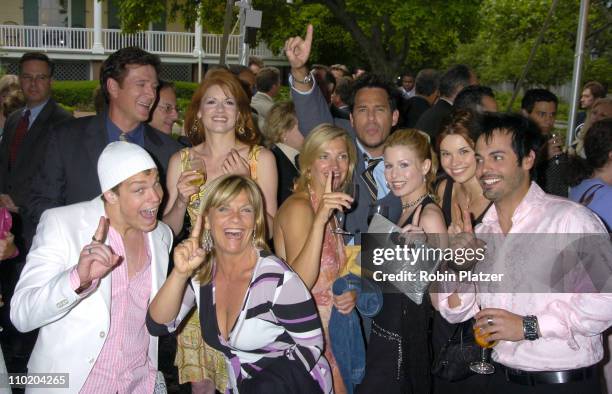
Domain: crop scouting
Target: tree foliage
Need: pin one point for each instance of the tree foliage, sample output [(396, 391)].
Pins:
[(508, 29)]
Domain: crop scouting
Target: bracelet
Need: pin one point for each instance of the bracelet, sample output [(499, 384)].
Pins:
[(306, 81)]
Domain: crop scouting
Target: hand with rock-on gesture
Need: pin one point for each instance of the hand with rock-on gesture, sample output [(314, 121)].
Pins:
[(189, 255)]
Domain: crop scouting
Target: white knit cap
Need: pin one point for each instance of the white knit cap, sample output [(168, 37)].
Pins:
[(121, 160)]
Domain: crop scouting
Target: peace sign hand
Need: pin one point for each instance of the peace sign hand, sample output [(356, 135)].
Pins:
[(188, 255), (96, 259), (462, 236), (298, 49)]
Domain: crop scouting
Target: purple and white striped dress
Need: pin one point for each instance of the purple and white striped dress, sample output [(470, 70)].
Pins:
[(278, 319)]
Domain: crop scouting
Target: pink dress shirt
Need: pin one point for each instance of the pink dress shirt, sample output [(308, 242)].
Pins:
[(570, 323), (123, 365)]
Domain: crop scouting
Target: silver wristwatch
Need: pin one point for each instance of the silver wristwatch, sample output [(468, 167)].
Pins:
[(306, 81), (530, 327)]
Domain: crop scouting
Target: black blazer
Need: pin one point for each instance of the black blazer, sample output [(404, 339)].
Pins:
[(287, 175), (16, 180), (434, 119), (411, 110), (70, 173)]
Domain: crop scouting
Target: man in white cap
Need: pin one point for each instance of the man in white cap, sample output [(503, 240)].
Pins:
[(88, 279)]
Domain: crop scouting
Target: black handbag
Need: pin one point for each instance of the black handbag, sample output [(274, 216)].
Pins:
[(456, 355)]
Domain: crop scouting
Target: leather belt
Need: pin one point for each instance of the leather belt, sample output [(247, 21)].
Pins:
[(531, 378)]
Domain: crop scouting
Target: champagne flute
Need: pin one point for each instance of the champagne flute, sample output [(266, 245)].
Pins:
[(483, 367), (352, 189), (197, 165)]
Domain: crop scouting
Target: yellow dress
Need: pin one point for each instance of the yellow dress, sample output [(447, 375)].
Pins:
[(195, 360)]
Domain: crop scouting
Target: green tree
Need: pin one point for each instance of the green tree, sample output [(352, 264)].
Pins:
[(388, 35), (507, 30)]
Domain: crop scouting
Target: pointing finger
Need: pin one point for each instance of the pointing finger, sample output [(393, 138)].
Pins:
[(309, 33), (100, 234), (328, 182), (196, 231)]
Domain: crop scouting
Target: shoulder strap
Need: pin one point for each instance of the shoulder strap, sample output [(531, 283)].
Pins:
[(589, 193), (253, 156)]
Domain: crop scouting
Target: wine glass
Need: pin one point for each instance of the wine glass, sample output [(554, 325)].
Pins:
[(555, 137), (352, 189), (197, 165), (377, 208), (483, 367)]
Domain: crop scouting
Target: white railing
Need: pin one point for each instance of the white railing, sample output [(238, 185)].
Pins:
[(61, 39)]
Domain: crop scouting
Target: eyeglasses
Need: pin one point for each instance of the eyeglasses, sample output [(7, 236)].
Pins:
[(168, 108), (35, 78)]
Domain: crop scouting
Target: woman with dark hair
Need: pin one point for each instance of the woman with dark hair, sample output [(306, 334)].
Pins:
[(220, 127), (458, 192), (591, 178), (254, 309)]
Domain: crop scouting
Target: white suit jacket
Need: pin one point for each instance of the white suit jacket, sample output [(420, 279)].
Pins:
[(73, 329)]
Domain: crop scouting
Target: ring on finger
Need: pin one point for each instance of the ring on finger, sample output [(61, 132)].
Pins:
[(490, 320)]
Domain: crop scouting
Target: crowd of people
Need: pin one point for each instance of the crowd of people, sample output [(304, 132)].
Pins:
[(241, 237)]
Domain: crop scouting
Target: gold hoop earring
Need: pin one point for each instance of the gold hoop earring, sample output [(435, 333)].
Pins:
[(241, 130)]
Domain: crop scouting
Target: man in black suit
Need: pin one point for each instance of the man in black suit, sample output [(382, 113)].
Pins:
[(426, 93), (451, 83), (25, 139), (128, 79)]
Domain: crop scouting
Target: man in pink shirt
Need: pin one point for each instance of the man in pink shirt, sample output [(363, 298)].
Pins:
[(547, 342), (90, 274)]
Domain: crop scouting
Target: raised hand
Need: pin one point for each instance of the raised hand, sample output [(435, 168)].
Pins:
[(298, 49), (96, 259), (331, 201), (463, 236), (236, 164), (189, 255)]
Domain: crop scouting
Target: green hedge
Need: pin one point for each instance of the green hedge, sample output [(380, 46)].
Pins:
[(79, 94), (76, 94)]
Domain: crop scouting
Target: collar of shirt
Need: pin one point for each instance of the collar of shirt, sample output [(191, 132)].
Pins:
[(135, 136), (289, 151), (447, 100), (34, 112), (534, 197)]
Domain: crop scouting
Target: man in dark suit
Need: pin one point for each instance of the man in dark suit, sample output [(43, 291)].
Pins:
[(22, 149), (451, 83), (128, 79), (426, 93)]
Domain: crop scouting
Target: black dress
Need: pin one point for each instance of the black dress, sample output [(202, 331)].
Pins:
[(442, 330), (398, 355)]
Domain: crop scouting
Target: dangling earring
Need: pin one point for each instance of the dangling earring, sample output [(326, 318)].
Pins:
[(241, 130), (254, 241), (207, 241), (195, 128)]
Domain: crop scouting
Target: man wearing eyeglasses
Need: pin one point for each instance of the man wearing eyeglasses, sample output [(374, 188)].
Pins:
[(165, 112), (21, 152)]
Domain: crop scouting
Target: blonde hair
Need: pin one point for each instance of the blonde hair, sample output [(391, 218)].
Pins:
[(280, 119), (313, 147), (417, 141), (218, 192)]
